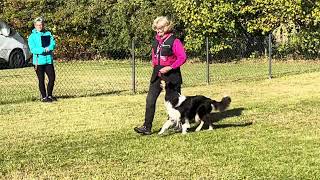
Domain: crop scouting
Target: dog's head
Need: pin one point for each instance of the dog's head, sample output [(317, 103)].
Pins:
[(170, 90)]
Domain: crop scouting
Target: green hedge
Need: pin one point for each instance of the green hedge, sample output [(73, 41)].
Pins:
[(88, 29)]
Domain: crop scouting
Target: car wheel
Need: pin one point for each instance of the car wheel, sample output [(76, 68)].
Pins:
[(16, 59)]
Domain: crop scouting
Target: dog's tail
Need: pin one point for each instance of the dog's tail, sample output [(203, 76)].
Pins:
[(222, 105)]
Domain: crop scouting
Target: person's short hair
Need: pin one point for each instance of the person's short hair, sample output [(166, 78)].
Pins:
[(168, 24), (38, 19)]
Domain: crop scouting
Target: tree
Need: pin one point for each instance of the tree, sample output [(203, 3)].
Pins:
[(1, 6), (234, 26), (214, 18)]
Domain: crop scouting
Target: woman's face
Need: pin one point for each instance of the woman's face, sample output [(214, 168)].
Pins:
[(160, 28), (39, 26)]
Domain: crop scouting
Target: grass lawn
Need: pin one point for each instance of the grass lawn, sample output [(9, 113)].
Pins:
[(91, 78), (271, 131)]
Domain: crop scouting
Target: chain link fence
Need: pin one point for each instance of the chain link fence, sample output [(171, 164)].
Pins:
[(131, 74)]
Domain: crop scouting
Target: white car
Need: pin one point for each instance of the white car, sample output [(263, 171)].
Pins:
[(14, 49)]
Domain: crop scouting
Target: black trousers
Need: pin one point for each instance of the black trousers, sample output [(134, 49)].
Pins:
[(153, 94), (41, 70)]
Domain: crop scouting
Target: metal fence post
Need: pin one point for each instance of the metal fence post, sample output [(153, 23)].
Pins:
[(207, 51), (133, 75), (270, 55)]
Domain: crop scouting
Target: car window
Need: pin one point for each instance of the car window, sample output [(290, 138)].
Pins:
[(5, 29), (12, 32)]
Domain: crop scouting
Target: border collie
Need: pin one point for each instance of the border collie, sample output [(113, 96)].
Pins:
[(186, 109)]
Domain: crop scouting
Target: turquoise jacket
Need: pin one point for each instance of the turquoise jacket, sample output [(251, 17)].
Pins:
[(37, 42)]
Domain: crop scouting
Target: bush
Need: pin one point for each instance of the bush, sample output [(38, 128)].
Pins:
[(90, 28)]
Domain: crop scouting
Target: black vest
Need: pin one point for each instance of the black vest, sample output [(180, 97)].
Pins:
[(173, 76), (166, 46)]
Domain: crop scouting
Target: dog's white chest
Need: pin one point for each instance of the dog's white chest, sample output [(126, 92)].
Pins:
[(172, 112)]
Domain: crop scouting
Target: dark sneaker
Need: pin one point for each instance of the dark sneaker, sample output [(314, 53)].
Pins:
[(143, 130), (45, 100), (52, 98)]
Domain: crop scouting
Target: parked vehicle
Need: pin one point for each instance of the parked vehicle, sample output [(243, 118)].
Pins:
[(14, 49)]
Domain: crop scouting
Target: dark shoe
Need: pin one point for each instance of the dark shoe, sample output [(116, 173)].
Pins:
[(143, 130), (52, 98), (45, 100)]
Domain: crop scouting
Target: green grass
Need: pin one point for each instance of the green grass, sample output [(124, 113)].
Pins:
[(93, 137), (87, 78)]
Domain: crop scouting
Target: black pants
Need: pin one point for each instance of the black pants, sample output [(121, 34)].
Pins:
[(49, 70), (153, 94)]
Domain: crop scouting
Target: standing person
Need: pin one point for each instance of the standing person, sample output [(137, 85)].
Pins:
[(168, 54), (42, 44)]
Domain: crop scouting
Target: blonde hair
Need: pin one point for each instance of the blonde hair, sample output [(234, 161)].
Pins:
[(168, 25)]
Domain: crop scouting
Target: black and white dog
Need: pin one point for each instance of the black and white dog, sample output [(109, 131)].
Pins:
[(187, 109)]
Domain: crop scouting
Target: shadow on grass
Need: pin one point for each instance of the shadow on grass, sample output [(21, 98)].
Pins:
[(217, 117), (5, 65), (17, 101), (91, 95)]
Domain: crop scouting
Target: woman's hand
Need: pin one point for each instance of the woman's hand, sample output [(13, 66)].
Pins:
[(164, 70)]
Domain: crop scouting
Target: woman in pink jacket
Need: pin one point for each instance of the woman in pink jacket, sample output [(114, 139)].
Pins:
[(168, 54)]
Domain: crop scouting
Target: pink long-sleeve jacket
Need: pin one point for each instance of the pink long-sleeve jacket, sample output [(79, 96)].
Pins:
[(178, 58)]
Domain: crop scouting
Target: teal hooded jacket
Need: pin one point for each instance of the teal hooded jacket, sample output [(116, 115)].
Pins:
[(37, 42)]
